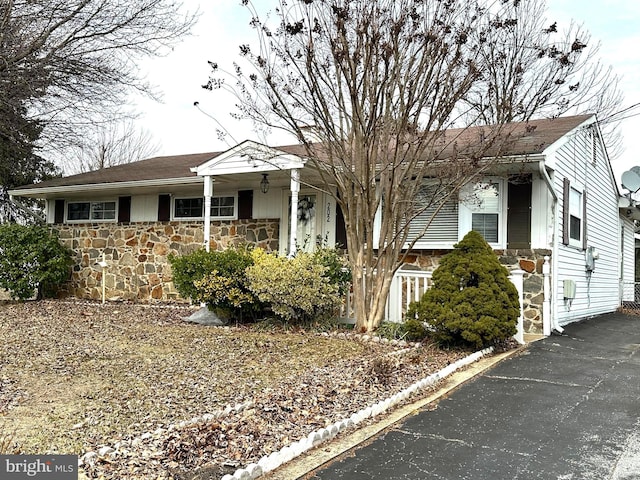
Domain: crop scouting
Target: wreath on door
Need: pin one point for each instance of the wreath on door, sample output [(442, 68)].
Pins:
[(306, 210)]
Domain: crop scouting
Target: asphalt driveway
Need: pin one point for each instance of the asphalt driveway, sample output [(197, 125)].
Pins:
[(568, 408)]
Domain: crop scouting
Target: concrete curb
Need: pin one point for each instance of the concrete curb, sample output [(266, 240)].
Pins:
[(290, 462)]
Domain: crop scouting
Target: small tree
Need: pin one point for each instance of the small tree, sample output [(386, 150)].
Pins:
[(471, 301), (32, 260)]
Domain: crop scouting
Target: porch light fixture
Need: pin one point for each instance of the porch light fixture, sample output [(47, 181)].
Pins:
[(264, 183)]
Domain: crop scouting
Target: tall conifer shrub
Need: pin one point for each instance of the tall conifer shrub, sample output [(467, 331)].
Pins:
[(472, 301)]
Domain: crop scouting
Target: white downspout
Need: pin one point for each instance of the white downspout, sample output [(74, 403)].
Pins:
[(293, 214), (208, 192), (549, 321)]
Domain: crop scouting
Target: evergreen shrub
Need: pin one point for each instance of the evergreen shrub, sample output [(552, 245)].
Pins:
[(472, 302), (297, 289), (217, 279), (32, 261)]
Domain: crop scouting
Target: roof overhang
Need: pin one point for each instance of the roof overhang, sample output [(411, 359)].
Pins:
[(47, 192)]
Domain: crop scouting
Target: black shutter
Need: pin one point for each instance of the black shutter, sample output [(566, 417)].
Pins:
[(124, 209), (565, 212), (245, 204), (58, 213), (164, 208), (519, 215)]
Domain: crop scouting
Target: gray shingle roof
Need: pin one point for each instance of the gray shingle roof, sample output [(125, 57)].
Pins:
[(526, 138)]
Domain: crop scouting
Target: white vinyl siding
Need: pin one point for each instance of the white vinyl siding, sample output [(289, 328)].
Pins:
[(598, 292)]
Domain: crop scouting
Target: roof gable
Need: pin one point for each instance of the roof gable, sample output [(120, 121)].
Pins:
[(249, 156)]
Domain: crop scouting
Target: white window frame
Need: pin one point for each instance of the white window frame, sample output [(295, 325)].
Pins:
[(233, 216), (91, 203), (201, 217), (467, 209), (576, 210), (186, 197)]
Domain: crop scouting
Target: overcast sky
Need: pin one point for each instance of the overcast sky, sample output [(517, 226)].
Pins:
[(179, 127)]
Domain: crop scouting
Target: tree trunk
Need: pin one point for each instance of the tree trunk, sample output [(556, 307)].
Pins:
[(370, 292)]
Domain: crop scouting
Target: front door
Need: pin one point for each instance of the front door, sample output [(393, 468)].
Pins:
[(307, 219)]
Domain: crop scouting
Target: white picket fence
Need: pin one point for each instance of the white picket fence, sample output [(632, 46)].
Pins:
[(409, 285)]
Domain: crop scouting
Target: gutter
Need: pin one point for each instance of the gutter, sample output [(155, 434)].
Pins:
[(39, 192), (550, 324)]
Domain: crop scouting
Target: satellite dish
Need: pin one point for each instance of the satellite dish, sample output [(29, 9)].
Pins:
[(631, 179)]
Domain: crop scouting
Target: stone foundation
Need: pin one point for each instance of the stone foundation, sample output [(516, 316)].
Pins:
[(530, 261), (137, 254)]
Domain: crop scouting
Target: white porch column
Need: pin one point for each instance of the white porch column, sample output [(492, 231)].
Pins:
[(208, 192), (546, 302), (516, 277), (293, 215)]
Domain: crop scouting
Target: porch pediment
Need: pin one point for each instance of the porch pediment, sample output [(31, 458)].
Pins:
[(249, 157)]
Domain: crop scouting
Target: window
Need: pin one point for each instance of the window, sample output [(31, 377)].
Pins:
[(485, 202), (188, 208), (434, 216), (575, 214), (221, 207), (83, 211)]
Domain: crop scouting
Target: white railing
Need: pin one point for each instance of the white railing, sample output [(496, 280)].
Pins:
[(409, 285)]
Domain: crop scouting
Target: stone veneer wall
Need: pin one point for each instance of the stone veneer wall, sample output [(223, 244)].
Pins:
[(530, 261), (137, 254)]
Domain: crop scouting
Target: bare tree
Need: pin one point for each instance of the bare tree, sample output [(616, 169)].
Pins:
[(535, 67), (380, 83), (112, 144), (72, 62), (66, 65)]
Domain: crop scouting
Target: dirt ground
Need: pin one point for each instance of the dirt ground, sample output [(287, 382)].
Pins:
[(76, 377)]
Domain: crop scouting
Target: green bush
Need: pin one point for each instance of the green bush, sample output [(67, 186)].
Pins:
[(32, 260), (472, 302), (337, 269), (411, 330), (217, 279), (188, 269), (296, 289)]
